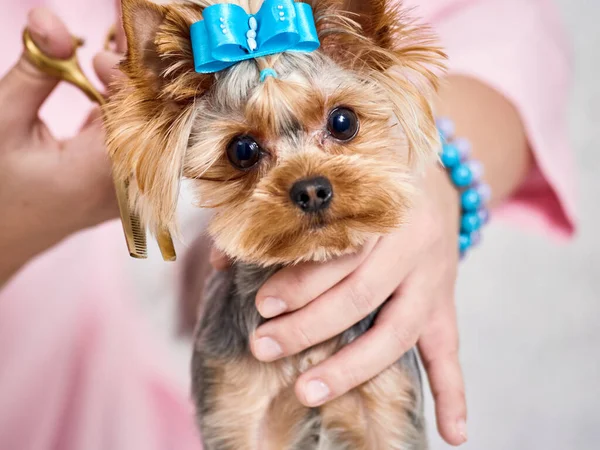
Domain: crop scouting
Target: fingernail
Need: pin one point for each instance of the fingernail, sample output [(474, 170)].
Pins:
[(271, 307), (461, 428), (316, 392), (267, 349), (38, 24), (39, 36), (49, 33)]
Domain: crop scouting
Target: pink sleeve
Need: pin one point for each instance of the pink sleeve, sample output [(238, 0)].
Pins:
[(517, 47)]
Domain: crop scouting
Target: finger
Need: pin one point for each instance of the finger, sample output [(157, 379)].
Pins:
[(394, 333), (120, 39), (25, 86), (439, 351), (90, 176), (331, 314), (294, 287), (106, 66), (346, 304), (219, 260)]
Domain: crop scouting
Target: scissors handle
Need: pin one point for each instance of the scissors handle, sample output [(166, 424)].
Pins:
[(67, 70)]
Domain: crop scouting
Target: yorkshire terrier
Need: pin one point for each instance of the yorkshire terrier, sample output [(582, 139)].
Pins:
[(305, 155)]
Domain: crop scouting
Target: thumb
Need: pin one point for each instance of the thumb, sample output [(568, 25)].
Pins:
[(26, 86)]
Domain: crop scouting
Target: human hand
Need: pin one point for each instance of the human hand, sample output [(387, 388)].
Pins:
[(415, 267), (499, 141), (48, 188)]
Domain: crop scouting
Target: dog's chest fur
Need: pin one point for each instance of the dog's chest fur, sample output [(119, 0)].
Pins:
[(243, 404)]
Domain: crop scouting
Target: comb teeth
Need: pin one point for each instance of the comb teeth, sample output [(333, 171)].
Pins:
[(69, 70), (139, 238)]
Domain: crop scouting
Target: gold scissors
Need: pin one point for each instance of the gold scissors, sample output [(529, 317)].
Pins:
[(70, 71)]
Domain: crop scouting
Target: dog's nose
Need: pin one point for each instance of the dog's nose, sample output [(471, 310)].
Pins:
[(312, 195)]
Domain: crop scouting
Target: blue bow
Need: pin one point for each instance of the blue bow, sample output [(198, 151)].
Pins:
[(228, 34)]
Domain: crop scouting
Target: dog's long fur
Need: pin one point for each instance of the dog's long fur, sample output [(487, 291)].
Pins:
[(165, 121), (244, 404)]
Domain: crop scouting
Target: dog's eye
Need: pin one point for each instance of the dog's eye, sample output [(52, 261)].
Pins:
[(343, 124), (243, 152)]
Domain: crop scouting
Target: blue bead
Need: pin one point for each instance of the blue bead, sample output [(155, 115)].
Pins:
[(470, 222), (450, 156), (484, 216), (475, 238), (470, 200), (476, 169), (446, 128), (464, 242), (462, 176), (464, 148)]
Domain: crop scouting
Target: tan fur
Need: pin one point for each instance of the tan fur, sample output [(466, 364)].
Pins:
[(268, 228), (285, 421), (260, 399), (243, 393), (275, 231), (374, 416), (150, 118), (165, 122), (380, 39)]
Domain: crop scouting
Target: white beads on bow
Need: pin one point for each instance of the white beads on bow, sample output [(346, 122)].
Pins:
[(251, 34), (223, 26)]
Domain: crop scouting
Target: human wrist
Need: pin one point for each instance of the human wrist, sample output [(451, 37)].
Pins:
[(493, 127), (438, 186), (14, 254), (466, 174), (22, 240)]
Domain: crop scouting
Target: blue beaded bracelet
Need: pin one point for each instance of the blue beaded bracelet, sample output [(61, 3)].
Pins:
[(466, 174)]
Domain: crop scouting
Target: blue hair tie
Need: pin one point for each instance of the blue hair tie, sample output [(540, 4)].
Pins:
[(267, 73)]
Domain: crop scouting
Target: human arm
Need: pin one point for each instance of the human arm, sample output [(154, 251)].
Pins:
[(49, 188)]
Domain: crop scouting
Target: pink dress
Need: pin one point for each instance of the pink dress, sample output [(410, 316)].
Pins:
[(79, 369)]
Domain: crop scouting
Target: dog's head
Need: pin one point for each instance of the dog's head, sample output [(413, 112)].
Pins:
[(302, 166)]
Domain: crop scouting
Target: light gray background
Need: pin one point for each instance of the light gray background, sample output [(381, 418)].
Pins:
[(529, 309)]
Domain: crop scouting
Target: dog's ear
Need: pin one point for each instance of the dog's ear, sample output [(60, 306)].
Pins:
[(372, 16), (159, 49), (380, 34), (150, 113), (142, 21), (379, 40)]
